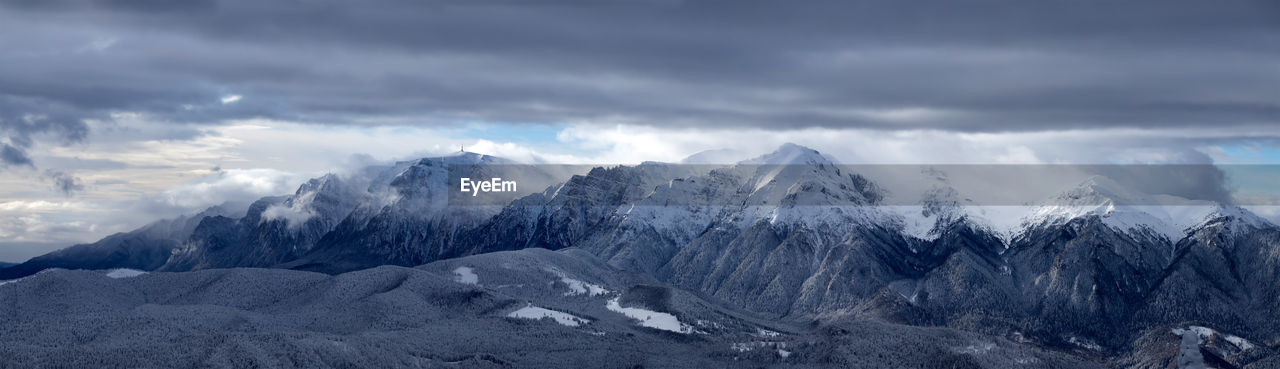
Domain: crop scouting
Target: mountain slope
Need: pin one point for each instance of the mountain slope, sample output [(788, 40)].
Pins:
[(145, 248), (569, 310), (1099, 270), (275, 229)]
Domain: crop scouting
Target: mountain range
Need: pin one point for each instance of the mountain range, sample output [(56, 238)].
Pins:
[(787, 259)]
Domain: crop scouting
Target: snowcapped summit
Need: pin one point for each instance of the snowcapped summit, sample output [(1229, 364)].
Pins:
[(797, 175), (317, 184), (466, 157), (792, 154), (1233, 219), (1100, 191), (1130, 210)]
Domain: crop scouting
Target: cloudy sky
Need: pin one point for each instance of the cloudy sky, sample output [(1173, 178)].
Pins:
[(116, 113)]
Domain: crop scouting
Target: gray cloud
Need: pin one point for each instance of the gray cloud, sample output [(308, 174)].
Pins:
[(987, 66), (75, 163), (65, 183), (23, 118), (1196, 182), (13, 156)]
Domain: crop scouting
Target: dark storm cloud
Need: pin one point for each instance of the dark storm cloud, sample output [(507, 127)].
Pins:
[(955, 65)]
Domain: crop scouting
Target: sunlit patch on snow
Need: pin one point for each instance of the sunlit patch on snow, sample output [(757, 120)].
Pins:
[(1084, 343), (577, 287), (466, 275), (536, 313), (650, 318), (1206, 333), (125, 273), (977, 348)]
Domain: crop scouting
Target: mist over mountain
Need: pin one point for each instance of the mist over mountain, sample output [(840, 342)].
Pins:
[(787, 259)]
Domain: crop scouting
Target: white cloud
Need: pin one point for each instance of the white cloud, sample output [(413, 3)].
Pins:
[(631, 144), (522, 153), (231, 185), (41, 205), (294, 216), (230, 99), (32, 228)]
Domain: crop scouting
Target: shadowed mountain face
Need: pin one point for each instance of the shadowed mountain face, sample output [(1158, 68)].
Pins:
[(784, 242)]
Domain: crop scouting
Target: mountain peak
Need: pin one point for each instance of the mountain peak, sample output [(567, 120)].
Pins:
[(318, 183), (1125, 208), (1098, 190), (463, 158), (790, 153)]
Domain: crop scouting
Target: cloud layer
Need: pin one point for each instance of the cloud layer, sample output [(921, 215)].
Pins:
[(985, 66), (108, 104)]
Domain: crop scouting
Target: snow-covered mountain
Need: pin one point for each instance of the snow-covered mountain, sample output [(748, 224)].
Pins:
[(408, 217), (273, 230), (793, 235), (1137, 213)]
